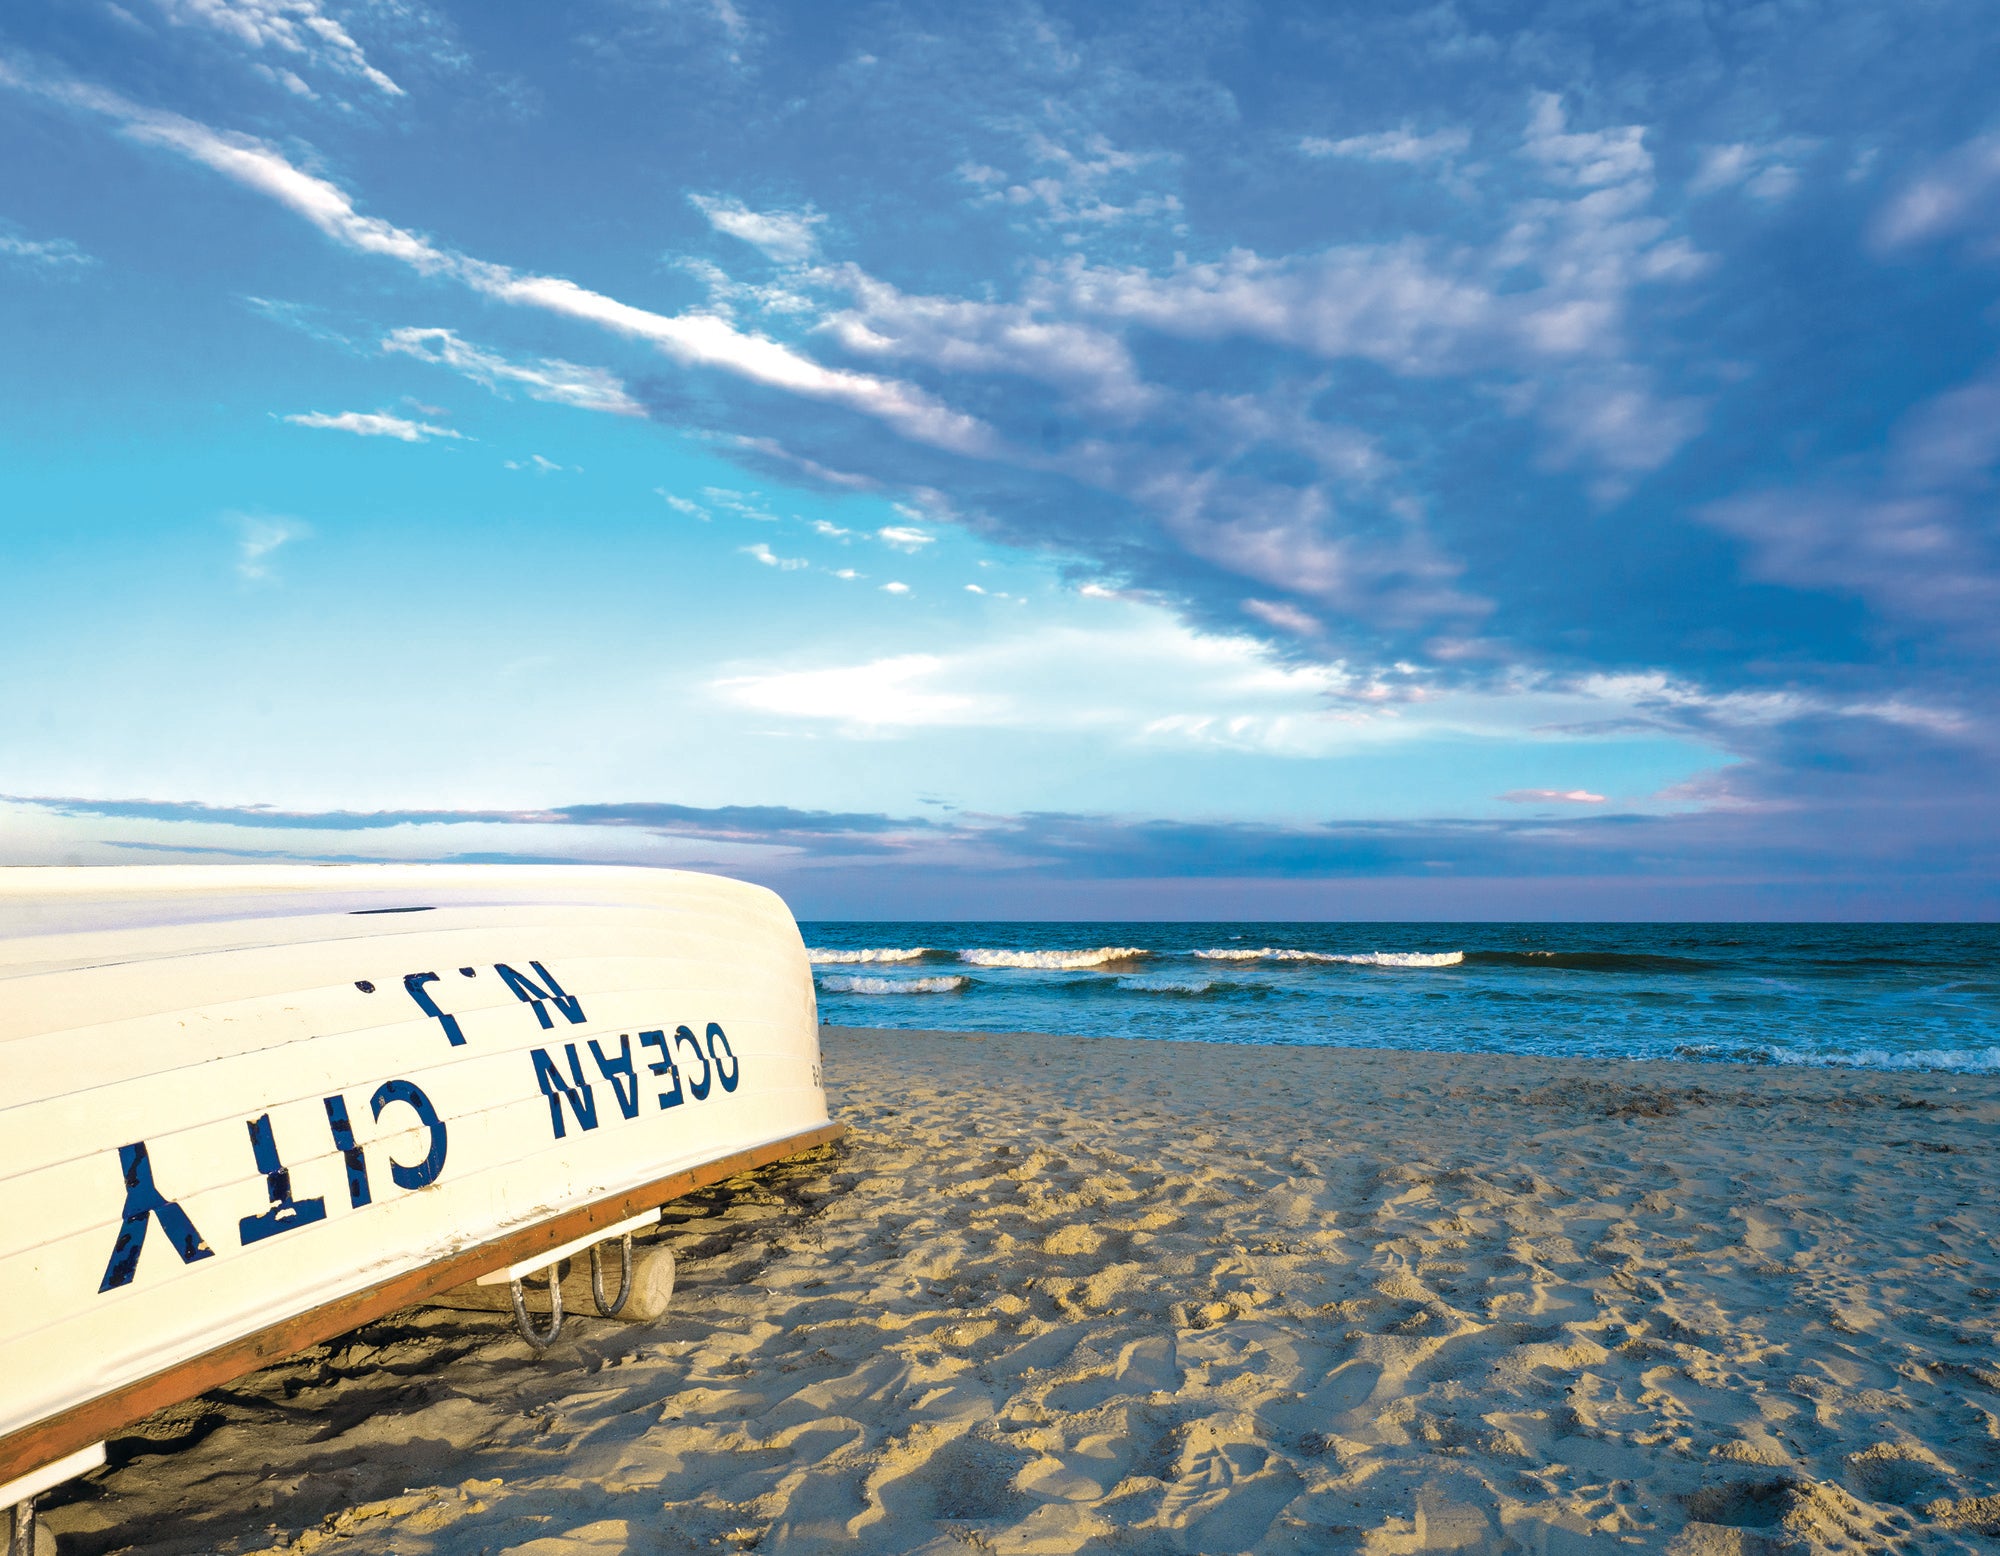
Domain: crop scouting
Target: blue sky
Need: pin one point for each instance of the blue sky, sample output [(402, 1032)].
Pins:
[(1176, 460)]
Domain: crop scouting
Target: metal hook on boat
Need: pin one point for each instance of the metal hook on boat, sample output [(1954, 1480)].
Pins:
[(611, 1309), (526, 1325)]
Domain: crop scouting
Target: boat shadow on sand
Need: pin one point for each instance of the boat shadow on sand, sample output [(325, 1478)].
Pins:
[(373, 1390)]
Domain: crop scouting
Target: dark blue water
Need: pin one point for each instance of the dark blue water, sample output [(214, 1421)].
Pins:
[(1879, 996)]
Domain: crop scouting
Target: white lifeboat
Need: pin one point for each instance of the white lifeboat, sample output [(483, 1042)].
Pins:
[(245, 1109)]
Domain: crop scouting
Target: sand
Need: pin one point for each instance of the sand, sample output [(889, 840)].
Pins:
[(1059, 1295)]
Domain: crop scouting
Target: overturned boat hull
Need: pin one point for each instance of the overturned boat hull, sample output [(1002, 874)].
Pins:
[(244, 1110)]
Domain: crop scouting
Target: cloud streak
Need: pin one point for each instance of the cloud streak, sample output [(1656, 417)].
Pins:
[(49, 254), (693, 340), (300, 29), (542, 378), (373, 424), (1807, 855), (259, 539), (786, 236), (1398, 146)]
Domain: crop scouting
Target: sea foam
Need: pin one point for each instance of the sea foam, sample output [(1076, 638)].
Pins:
[(1096, 957), (1357, 959), (1152, 984), (821, 957), (838, 983)]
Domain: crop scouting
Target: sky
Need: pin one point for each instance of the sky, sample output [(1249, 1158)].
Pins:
[(1181, 460)]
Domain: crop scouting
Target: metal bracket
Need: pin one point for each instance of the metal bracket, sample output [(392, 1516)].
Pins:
[(21, 1532), (19, 1494), (529, 1332), (611, 1309)]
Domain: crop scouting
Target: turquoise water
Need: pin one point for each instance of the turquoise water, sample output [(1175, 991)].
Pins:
[(1880, 996)]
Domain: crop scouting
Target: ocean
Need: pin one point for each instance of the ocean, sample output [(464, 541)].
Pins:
[(1873, 996)]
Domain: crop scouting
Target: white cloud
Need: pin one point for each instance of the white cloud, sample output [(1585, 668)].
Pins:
[(829, 529), (726, 293), (1287, 618), (49, 253), (1552, 797), (903, 537), (694, 340), (1586, 159), (543, 378), (771, 448), (697, 340), (1085, 181), (745, 505), (868, 696), (764, 554), (1961, 190), (974, 589), (374, 424), (729, 19), (786, 236), (895, 588), (537, 463), (1673, 704), (1423, 311), (1402, 145), (1765, 172), (1912, 535), (679, 504), (303, 317), (1150, 680), (1614, 417), (290, 80), (962, 335), (300, 28), (258, 541)]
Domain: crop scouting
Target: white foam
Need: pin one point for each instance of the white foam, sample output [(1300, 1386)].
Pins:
[(838, 983), (1358, 959), (821, 957), (1159, 985), (1053, 959), (1954, 1061)]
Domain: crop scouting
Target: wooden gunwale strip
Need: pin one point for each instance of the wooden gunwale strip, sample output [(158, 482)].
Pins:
[(44, 1442)]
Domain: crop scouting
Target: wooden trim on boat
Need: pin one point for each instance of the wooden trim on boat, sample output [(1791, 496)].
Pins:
[(46, 1441)]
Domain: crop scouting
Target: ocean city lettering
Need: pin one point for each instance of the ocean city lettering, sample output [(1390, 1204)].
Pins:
[(565, 1081), (561, 1077), (718, 1063), (145, 1203)]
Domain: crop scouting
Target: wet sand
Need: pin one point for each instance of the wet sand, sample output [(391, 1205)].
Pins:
[(1057, 1294)]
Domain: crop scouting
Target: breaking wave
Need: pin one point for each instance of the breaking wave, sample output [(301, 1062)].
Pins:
[(1874, 997), (1954, 1061), (837, 983), (1951, 1061), (1145, 984), (1099, 957), (1355, 959)]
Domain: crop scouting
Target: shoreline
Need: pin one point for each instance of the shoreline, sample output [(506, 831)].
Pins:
[(1693, 1064), (1061, 1293)]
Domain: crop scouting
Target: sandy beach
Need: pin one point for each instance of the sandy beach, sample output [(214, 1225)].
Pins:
[(1058, 1294)]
